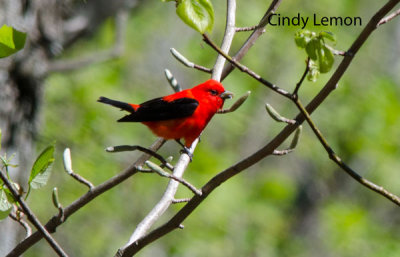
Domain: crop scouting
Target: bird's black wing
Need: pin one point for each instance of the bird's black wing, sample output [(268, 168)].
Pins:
[(159, 109)]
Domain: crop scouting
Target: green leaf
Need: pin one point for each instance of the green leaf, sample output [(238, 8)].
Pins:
[(312, 48), (41, 168), (328, 35), (302, 37), (325, 59), (198, 14), (11, 41), (5, 205)]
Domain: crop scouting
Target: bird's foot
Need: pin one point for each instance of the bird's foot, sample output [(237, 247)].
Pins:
[(187, 151)]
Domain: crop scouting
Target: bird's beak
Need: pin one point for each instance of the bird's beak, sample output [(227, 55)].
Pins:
[(226, 95)]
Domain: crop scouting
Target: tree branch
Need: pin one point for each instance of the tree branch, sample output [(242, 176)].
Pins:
[(32, 218), (252, 38), (244, 69), (334, 157), (184, 160)]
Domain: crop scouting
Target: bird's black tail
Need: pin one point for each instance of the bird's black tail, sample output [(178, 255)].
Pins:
[(118, 104)]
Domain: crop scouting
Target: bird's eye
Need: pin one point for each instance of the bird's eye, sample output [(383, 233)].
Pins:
[(214, 92)]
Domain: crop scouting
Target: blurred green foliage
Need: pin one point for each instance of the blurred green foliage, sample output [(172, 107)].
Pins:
[(295, 205)]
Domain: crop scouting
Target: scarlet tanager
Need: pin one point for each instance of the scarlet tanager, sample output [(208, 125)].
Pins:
[(181, 115)]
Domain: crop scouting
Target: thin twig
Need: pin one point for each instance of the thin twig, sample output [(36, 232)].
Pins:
[(245, 29), (298, 85), (236, 104), (244, 69), (282, 152), (183, 200), (68, 168), (123, 148), (252, 38), (389, 18), (172, 81), (276, 116), (182, 59), (23, 223), (157, 169), (334, 157), (32, 218), (336, 52)]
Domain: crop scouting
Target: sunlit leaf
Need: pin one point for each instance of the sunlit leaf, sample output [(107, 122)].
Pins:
[(5, 205), (312, 48), (198, 14), (11, 41), (302, 38), (328, 35), (325, 59), (41, 168)]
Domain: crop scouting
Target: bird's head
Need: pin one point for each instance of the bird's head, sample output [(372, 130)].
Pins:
[(213, 93)]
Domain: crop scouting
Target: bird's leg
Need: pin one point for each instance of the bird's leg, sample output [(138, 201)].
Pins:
[(185, 149)]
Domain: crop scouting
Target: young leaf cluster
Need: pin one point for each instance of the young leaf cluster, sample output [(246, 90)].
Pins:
[(38, 178), (321, 56)]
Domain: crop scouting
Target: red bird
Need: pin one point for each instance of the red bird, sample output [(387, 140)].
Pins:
[(181, 115)]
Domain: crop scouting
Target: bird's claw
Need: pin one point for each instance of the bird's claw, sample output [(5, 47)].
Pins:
[(187, 151)]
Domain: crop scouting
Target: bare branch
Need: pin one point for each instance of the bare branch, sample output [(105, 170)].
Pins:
[(276, 116), (389, 18), (334, 157), (293, 144), (123, 148), (68, 168), (252, 38), (245, 29), (298, 85), (282, 152), (227, 39), (22, 222), (172, 81), (157, 169), (244, 69), (182, 59), (32, 218), (184, 200), (236, 104)]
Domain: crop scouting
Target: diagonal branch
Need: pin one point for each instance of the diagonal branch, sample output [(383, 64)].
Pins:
[(244, 69), (334, 157), (184, 160), (32, 218), (252, 38)]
